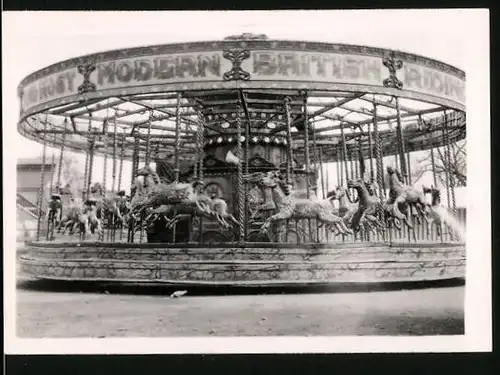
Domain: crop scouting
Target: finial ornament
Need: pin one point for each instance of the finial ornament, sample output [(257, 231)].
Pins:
[(86, 70), (393, 64), (236, 57), (247, 36)]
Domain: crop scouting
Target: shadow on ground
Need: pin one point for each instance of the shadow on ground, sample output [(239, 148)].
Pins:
[(157, 289)]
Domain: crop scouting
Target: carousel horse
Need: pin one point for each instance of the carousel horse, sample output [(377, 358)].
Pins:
[(436, 206), (54, 214), (368, 207), (106, 204), (217, 208), (386, 209), (123, 204), (165, 194), (404, 196), (95, 222), (289, 206), (179, 199), (260, 196), (150, 176), (346, 208), (75, 216), (255, 199)]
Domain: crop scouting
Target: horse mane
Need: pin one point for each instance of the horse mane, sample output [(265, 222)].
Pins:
[(331, 193), (399, 175), (436, 196), (285, 187)]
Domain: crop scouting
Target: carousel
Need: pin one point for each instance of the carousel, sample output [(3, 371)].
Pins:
[(254, 162)]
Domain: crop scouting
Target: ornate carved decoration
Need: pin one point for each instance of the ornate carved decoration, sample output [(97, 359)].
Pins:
[(86, 70), (214, 189), (236, 57), (393, 64), (247, 36), (257, 43), (259, 162), (212, 162)]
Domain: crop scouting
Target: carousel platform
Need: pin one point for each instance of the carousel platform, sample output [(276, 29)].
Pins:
[(252, 264)]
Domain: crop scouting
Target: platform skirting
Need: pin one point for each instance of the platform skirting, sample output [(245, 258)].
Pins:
[(251, 265)]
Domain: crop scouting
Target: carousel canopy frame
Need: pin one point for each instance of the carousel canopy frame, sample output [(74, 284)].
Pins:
[(139, 95)]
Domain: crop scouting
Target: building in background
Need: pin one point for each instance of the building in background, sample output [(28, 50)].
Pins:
[(28, 185)]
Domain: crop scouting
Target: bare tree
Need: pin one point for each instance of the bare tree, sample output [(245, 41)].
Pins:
[(71, 173), (455, 164)]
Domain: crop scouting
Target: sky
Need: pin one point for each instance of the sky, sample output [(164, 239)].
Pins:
[(33, 40)]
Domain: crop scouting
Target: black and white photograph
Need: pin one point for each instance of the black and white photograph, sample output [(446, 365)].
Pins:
[(247, 181)]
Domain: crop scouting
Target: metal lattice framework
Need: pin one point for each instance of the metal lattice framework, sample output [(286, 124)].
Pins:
[(327, 112)]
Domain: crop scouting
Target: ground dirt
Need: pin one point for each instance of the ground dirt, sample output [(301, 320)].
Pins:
[(80, 310)]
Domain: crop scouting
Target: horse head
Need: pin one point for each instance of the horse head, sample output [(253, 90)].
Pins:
[(395, 175), (339, 192), (427, 190), (371, 186), (356, 184), (145, 171), (197, 185), (138, 185), (261, 179), (436, 196), (332, 194)]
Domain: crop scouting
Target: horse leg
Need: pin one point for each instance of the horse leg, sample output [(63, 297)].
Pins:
[(422, 207), (439, 226), (227, 220), (415, 212), (221, 220), (335, 228), (100, 228), (348, 216), (233, 219), (203, 208), (283, 215), (171, 222), (331, 228), (334, 220), (149, 216), (71, 226), (340, 229), (59, 227), (344, 227), (371, 223), (398, 214), (86, 226)]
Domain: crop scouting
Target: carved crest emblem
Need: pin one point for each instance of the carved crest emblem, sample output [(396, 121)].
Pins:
[(393, 64), (236, 57), (86, 70)]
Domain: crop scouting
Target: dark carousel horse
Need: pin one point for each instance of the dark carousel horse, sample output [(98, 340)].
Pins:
[(54, 215), (403, 199)]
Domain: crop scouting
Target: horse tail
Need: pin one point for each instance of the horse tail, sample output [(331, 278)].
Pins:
[(156, 178)]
